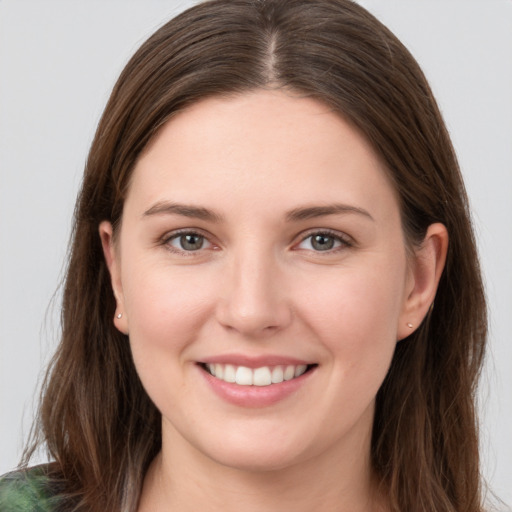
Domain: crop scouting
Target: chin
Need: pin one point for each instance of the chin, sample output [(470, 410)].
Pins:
[(262, 462), (255, 453)]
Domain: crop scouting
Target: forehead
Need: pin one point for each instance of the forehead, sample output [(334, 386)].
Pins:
[(270, 146)]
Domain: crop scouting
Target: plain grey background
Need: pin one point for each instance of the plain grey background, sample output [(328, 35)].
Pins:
[(58, 62)]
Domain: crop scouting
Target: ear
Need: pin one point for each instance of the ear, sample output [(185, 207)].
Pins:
[(425, 269), (114, 266)]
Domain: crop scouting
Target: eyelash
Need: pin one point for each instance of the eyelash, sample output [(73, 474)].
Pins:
[(343, 241), (175, 235)]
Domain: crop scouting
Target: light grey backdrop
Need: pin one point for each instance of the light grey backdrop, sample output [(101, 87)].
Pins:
[(58, 62)]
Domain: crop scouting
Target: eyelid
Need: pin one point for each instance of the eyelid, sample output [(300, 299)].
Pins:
[(346, 240), (171, 235)]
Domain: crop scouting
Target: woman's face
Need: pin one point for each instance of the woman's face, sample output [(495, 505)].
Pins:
[(260, 240)]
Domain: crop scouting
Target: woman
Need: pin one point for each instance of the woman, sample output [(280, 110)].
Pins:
[(270, 206)]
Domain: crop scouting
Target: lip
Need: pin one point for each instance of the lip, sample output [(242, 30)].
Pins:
[(255, 396), (255, 362)]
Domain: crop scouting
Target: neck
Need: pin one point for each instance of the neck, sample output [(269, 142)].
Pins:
[(182, 479)]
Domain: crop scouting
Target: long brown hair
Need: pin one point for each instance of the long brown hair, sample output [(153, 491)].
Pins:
[(97, 421)]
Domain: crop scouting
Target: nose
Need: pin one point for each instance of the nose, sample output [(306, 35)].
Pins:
[(254, 301)]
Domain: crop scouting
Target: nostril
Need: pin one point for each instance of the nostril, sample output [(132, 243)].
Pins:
[(253, 317)]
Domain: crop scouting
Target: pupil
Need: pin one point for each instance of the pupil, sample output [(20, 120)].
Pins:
[(323, 242), (191, 242)]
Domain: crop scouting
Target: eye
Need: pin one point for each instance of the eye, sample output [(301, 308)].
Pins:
[(322, 242), (188, 241)]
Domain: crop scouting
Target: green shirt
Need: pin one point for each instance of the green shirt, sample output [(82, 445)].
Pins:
[(27, 490)]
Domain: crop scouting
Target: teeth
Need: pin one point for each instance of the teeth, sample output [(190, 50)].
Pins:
[(300, 369), (277, 375), (289, 372), (243, 376), (264, 376), (229, 373)]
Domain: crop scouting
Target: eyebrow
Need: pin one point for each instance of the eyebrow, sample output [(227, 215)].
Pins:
[(185, 210), (312, 212), (295, 215)]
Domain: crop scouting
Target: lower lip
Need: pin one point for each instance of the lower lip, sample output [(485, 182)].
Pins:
[(255, 396)]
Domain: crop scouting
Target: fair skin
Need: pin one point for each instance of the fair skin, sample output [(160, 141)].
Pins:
[(261, 231)]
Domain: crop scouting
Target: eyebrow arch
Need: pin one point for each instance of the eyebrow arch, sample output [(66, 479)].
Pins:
[(298, 214), (185, 210)]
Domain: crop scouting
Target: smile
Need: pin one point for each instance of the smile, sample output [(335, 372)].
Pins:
[(262, 376)]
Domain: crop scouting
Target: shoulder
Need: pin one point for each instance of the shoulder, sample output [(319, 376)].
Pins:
[(27, 490)]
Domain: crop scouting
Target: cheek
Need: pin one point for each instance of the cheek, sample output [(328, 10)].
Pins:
[(165, 306), (355, 317), (165, 310), (354, 301)]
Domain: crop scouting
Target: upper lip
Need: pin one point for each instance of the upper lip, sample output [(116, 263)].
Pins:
[(255, 361)]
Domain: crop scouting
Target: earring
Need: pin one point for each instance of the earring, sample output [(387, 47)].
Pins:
[(410, 325), (119, 315)]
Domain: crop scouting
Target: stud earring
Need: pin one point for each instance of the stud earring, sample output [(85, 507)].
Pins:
[(119, 315), (410, 325)]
